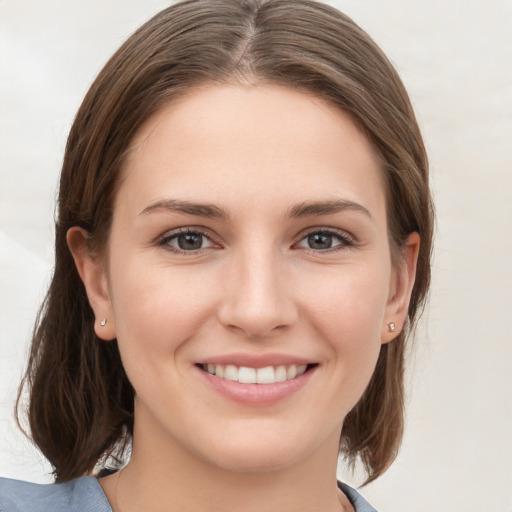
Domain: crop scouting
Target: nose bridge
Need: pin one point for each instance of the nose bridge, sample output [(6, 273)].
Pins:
[(257, 299)]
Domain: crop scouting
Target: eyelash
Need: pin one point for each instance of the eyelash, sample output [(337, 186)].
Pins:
[(345, 240), (164, 240)]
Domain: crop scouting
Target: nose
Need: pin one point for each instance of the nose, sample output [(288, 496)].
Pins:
[(258, 301)]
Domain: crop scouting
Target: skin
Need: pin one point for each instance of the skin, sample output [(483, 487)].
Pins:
[(256, 286)]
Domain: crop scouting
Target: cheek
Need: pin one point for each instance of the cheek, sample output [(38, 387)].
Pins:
[(351, 300), (347, 312), (156, 309)]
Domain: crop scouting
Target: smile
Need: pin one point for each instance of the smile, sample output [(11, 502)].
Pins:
[(256, 381), (248, 375)]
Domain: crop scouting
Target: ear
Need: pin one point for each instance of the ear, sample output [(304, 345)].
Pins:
[(93, 274), (402, 283)]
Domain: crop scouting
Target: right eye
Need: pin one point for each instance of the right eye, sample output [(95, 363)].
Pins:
[(187, 241)]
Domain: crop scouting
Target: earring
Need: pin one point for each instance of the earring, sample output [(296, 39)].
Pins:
[(391, 326), (103, 322)]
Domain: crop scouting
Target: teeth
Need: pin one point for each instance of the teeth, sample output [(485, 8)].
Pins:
[(265, 375), (247, 375), (291, 372), (231, 372), (280, 373)]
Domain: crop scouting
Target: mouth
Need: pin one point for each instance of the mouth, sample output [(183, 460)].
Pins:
[(249, 375)]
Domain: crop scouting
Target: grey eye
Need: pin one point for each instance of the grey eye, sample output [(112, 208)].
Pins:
[(323, 240), (187, 241), (320, 241), (190, 241)]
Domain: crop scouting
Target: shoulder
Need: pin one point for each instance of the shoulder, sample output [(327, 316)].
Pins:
[(360, 504), (80, 495)]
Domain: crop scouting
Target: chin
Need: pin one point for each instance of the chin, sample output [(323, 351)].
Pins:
[(263, 453), (254, 461)]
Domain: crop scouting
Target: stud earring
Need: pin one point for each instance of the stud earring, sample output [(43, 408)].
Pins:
[(103, 322), (391, 326)]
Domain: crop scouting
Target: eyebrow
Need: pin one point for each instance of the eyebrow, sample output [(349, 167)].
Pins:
[(305, 209), (317, 208), (186, 207)]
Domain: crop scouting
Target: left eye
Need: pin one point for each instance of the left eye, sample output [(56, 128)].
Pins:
[(323, 240), (187, 241)]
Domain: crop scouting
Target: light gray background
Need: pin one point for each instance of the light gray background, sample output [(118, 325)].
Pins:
[(455, 58)]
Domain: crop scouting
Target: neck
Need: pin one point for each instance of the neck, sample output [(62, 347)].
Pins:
[(167, 476)]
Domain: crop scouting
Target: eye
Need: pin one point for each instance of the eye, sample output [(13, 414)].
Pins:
[(324, 240), (186, 240)]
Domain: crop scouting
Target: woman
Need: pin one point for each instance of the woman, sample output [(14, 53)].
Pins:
[(242, 244)]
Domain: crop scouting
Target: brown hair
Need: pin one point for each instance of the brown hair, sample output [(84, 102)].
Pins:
[(81, 402)]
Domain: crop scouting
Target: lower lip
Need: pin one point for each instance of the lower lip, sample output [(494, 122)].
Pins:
[(256, 394)]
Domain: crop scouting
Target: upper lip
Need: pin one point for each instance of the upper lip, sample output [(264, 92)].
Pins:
[(256, 360)]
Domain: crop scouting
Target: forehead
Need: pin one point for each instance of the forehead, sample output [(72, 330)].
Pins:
[(217, 143)]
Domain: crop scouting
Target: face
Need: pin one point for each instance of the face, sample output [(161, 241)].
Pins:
[(248, 279)]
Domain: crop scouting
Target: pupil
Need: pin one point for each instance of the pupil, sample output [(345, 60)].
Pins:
[(320, 241), (190, 241)]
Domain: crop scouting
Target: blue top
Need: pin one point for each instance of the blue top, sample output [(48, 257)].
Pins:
[(86, 495)]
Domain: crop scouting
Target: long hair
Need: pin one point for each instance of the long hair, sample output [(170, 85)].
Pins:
[(81, 402)]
